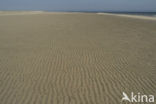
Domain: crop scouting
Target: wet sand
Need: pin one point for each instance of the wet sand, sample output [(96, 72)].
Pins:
[(130, 16), (75, 58)]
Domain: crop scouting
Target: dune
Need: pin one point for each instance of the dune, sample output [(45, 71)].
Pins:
[(75, 58)]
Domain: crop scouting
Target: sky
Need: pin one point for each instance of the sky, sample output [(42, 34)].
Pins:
[(80, 5)]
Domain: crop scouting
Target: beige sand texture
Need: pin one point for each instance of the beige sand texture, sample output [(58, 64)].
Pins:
[(75, 58)]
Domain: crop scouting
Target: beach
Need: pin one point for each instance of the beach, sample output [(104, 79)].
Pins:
[(75, 58)]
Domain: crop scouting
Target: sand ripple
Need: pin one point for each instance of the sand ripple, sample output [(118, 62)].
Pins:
[(75, 59)]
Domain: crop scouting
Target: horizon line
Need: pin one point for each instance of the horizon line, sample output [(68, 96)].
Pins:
[(89, 11)]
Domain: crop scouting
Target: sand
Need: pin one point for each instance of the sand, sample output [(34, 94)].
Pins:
[(75, 58), (130, 16)]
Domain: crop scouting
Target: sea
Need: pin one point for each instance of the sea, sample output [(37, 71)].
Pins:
[(151, 14)]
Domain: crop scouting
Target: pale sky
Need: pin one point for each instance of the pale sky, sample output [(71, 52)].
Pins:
[(79, 5)]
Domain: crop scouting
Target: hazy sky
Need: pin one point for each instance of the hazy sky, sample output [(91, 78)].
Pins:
[(78, 5)]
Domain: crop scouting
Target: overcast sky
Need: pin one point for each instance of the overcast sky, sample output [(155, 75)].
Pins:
[(79, 5)]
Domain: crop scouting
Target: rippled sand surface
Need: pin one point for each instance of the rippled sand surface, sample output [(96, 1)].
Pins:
[(75, 58)]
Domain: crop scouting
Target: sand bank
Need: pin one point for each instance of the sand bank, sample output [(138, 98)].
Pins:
[(130, 16), (75, 59)]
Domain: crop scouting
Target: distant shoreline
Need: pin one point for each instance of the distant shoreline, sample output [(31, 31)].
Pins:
[(137, 15), (130, 16)]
